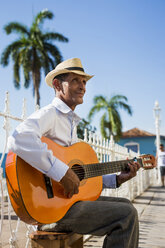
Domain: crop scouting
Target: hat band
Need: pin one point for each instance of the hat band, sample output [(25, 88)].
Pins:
[(75, 68)]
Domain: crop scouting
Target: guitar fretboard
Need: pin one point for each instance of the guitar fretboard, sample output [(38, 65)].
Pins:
[(99, 169)]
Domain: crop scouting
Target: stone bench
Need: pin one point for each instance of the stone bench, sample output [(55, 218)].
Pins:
[(41, 239)]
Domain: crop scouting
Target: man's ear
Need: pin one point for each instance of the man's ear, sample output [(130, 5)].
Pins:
[(56, 84)]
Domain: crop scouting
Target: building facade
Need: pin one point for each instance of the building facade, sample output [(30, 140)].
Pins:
[(140, 141)]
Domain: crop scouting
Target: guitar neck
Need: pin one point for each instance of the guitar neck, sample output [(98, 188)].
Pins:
[(99, 169)]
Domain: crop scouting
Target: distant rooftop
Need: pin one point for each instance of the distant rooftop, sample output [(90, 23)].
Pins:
[(135, 132)]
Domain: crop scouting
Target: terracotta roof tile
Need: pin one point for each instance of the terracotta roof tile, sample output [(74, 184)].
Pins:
[(135, 132)]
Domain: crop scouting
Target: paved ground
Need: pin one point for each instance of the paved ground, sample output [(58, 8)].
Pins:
[(6, 233), (151, 210), (152, 219)]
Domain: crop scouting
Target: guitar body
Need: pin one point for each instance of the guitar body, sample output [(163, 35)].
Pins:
[(27, 188)]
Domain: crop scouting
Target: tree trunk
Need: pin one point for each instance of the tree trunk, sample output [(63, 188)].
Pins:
[(36, 78), (36, 84), (37, 97)]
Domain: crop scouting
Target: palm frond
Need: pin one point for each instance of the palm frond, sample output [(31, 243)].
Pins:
[(126, 107), (47, 64), (16, 68), (116, 98), (26, 54), (99, 99), (26, 79), (9, 50), (16, 71), (16, 84), (16, 27), (54, 51), (94, 109), (102, 126), (54, 36), (41, 16), (100, 103)]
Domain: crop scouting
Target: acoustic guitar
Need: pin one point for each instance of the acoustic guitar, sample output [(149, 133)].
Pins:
[(37, 199)]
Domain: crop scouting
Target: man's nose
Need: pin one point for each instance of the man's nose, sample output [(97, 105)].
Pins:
[(82, 86)]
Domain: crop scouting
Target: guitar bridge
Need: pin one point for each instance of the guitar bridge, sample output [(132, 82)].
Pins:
[(48, 184)]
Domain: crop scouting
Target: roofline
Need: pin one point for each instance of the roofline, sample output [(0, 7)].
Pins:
[(144, 136)]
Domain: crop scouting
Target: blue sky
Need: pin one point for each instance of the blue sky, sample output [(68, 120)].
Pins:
[(121, 42)]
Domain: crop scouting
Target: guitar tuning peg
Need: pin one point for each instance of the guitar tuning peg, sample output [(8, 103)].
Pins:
[(135, 159)]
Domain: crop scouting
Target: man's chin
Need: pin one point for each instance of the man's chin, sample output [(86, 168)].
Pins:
[(80, 101)]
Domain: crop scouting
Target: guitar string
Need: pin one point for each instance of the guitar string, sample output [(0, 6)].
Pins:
[(87, 169), (90, 170), (99, 169), (100, 172)]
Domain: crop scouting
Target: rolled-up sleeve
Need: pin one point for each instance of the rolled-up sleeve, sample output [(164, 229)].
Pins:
[(26, 143), (109, 181)]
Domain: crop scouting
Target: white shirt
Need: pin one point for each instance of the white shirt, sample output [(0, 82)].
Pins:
[(161, 158), (57, 122)]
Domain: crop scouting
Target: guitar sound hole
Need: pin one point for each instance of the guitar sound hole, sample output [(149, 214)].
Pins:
[(78, 169)]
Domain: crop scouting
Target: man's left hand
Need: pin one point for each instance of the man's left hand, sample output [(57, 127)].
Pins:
[(127, 175)]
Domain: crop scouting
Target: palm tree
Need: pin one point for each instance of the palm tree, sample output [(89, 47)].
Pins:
[(110, 123), (33, 51), (84, 124)]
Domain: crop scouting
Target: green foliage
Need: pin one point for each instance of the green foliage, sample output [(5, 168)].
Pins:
[(81, 127), (110, 123), (34, 51)]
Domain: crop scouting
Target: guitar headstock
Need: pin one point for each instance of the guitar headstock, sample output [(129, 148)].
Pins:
[(148, 161)]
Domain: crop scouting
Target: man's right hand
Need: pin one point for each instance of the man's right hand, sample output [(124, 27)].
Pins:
[(71, 183)]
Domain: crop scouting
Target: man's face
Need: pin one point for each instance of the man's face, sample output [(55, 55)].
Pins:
[(161, 148), (72, 90)]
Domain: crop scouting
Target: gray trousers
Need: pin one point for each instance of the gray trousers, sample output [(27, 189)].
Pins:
[(111, 216)]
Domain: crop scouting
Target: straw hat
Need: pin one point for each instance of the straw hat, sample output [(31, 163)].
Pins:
[(71, 65)]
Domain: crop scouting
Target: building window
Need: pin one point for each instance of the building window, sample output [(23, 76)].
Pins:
[(132, 146)]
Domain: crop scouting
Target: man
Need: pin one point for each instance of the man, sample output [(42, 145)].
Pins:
[(114, 217), (160, 161)]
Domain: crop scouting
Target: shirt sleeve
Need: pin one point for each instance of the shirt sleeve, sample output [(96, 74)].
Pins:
[(109, 181), (26, 143)]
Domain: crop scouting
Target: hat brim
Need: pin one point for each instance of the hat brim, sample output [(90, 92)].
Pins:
[(49, 77)]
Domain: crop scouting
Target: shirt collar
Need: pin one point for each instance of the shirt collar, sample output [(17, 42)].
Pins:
[(62, 107)]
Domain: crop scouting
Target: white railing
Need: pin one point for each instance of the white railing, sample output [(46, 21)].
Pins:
[(15, 232)]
